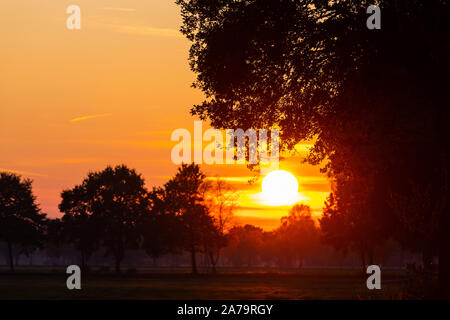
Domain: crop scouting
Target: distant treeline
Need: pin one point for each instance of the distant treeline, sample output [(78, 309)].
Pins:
[(111, 214)]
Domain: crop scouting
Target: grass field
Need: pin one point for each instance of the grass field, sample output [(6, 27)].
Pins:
[(146, 284)]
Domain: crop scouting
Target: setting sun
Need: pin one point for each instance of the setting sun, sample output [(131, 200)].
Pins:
[(280, 188)]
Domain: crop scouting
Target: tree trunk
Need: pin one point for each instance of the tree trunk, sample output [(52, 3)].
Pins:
[(194, 261), (444, 256), (117, 265), (300, 263), (213, 263), (10, 256), (444, 224), (119, 254), (427, 257)]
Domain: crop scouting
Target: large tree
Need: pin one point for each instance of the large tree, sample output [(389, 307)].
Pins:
[(298, 236), (161, 230), (106, 209), (245, 245), (79, 227), (284, 62), (350, 221), (221, 200), (375, 100), (183, 198), (21, 220)]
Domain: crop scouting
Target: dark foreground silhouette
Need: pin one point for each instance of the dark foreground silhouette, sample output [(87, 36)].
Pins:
[(229, 284)]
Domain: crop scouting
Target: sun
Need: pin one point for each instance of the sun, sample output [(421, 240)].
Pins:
[(280, 188)]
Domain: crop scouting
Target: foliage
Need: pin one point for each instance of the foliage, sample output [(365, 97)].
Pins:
[(221, 200), (297, 237), (183, 198), (21, 220), (105, 209), (374, 100)]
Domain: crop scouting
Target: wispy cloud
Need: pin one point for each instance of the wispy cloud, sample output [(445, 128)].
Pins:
[(119, 9), (92, 116), (25, 173), (143, 30), (149, 31), (244, 179), (163, 144), (43, 162), (155, 132)]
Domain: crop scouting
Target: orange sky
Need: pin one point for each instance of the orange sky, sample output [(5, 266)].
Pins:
[(77, 100)]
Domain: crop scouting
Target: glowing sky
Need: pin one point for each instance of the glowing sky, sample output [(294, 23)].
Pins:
[(77, 100)]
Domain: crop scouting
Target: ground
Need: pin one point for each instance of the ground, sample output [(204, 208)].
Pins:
[(46, 283)]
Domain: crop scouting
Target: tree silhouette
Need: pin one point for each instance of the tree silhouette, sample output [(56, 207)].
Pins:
[(374, 99), (55, 238), (184, 199), (105, 210), (285, 62), (161, 230), (297, 236), (245, 245), (221, 200), (79, 226), (420, 217), (21, 221), (347, 223)]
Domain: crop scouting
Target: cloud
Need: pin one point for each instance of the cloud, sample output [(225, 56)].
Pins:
[(244, 179), (122, 25), (155, 132), (161, 144), (325, 187), (138, 29), (92, 116), (119, 9), (42, 162), (79, 160), (25, 173), (149, 31)]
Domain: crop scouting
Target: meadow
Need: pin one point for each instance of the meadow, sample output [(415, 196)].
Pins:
[(47, 283)]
